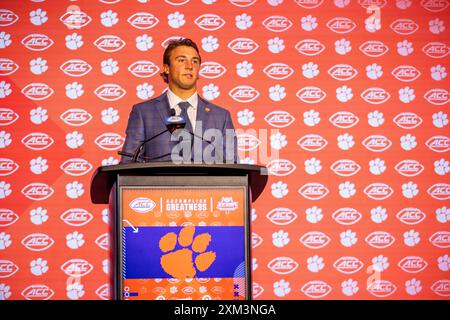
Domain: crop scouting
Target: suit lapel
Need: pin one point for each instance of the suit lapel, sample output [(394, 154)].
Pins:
[(162, 104)]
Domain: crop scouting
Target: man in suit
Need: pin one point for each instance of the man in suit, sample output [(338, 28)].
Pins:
[(212, 137)]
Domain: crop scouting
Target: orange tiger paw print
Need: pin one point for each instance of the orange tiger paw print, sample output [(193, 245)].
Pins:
[(180, 264)]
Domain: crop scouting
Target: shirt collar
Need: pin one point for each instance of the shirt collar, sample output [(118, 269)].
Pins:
[(175, 100)]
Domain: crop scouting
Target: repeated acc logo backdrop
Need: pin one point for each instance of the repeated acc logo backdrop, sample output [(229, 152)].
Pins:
[(357, 201)]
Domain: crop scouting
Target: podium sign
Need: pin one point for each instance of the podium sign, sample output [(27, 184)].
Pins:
[(183, 241)]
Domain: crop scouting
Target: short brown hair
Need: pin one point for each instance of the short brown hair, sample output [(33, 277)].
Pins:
[(171, 46)]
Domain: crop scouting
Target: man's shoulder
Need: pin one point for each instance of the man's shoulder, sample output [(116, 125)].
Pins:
[(214, 108), (148, 103)]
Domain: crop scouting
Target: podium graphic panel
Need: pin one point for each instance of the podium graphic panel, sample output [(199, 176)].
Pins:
[(183, 242)]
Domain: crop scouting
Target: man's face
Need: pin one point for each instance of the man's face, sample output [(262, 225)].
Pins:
[(183, 68)]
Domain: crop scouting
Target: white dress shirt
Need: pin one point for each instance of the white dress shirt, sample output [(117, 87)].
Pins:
[(174, 100)]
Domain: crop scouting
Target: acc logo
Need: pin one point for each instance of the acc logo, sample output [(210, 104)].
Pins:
[(348, 265), (409, 168), (142, 205), (7, 218), (279, 119), (375, 95), (381, 288), (342, 72), (103, 292), (7, 67), (37, 91), (110, 92), (311, 94), (412, 264), (310, 47), (316, 289), (243, 46), (37, 242), (7, 167), (341, 25), (277, 23), (143, 69), (76, 117), (75, 67), (436, 50), (76, 217), (440, 239), (283, 265), (37, 141), (411, 216), (439, 191), (434, 5), (190, 290), (346, 216), (143, 20), (438, 143), (247, 142), (406, 73), (37, 191), (344, 119), (7, 17), (377, 143), (437, 97), (278, 71), (76, 267), (280, 167), (312, 142), (212, 70), (367, 3), (37, 292), (76, 167), (7, 268), (309, 4), (37, 42), (281, 216), (242, 3), (256, 240), (404, 26), (7, 116), (374, 48), (313, 191), (244, 94), (441, 288), (408, 120), (103, 241), (257, 290), (380, 239), (110, 141), (378, 191), (75, 19), (209, 22), (315, 239), (345, 167), (109, 43)]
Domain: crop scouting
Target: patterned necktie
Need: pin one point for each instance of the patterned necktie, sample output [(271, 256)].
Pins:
[(184, 106)]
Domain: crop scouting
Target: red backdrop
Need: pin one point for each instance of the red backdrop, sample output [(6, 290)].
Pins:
[(349, 97)]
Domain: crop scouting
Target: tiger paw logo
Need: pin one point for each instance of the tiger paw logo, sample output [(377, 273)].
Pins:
[(181, 264)]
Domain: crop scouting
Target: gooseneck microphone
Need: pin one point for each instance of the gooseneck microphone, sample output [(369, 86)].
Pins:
[(172, 123)]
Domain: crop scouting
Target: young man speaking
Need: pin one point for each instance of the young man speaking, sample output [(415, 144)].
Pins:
[(208, 134)]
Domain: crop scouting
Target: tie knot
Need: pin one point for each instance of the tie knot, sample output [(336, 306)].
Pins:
[(184, 105)]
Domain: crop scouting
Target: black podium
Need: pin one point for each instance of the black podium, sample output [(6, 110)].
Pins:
[(180, 231)]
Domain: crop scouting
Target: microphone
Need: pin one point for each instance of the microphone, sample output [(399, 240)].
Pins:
[(172, 123)]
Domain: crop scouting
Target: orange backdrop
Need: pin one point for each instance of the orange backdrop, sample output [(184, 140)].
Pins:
[(353, 96)]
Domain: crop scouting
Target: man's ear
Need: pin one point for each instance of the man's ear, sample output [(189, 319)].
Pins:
[(166, 69)]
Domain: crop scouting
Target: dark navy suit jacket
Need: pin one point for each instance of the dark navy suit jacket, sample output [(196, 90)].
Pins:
[(147, 120)]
